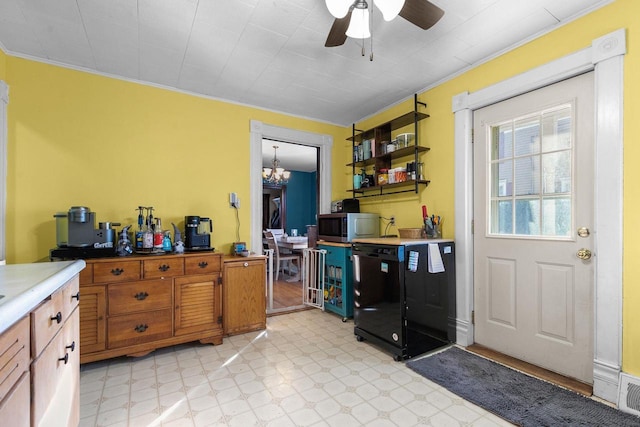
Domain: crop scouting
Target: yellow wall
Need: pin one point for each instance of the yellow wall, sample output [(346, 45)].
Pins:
[(81, 139), (438, 133)]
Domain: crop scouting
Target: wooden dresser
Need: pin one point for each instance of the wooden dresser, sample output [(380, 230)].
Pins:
[(134, 305)]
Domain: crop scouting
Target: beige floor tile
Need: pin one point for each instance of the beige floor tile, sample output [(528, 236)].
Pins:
[(289, 375)]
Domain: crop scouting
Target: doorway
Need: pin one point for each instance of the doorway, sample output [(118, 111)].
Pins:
[(533, 198), (604, 56), (289, 206)]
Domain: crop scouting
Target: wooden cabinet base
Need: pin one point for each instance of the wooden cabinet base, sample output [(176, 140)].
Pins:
[(146, 348)]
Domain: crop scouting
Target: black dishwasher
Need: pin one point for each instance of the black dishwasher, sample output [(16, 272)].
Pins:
[(400, 305)]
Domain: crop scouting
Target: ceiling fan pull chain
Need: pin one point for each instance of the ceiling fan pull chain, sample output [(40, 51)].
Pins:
[(371, 41)]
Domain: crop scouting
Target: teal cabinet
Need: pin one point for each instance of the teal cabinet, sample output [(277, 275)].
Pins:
[(338, 280)]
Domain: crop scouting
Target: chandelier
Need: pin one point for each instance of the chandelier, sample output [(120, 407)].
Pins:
[(276, 174)]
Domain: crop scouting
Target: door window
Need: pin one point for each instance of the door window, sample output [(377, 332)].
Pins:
[(531, 175)]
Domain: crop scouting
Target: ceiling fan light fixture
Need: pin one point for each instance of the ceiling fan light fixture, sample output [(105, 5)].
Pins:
[(359, 24), (338, 8), (389, 8)]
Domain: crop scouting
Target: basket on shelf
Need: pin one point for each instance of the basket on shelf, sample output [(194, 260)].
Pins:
[(411, 233)]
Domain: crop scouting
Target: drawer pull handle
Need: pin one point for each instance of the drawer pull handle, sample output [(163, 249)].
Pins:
[(65, 358), (117, 271), (76, 296), (203, 264), (57, 317), (141, 296), (164, 267), (141, 328), (246, 264), (71, 347)]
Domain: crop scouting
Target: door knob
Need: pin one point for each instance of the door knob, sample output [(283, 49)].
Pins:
[(584, 253)]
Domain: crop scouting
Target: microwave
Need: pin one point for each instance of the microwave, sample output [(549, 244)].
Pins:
[(344, 227)]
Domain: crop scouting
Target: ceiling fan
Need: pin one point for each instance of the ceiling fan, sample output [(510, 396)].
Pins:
[(421, 13)]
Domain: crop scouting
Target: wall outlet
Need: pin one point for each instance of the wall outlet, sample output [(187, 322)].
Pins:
[(392, 220), (234, 200)]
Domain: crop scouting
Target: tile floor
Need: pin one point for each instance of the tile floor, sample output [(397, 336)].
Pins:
[(306, 369)]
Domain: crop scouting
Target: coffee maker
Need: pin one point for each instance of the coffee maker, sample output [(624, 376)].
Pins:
[(197, 235), (78, 237), (77, 229)]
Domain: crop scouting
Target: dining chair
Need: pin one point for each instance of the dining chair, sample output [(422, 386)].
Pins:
[(279, 258)]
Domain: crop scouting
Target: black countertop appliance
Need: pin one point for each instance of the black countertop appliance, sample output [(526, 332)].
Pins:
[(197, 233), (404, 296)]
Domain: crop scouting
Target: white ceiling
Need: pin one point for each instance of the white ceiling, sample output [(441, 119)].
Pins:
[(291, 156), (270, 53)]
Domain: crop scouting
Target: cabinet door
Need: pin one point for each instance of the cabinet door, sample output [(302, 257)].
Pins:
[(198, 304), (244, 292), (15, 407), (93, 315), (56, 379)]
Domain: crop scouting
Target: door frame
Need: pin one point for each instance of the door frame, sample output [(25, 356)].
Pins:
[(605, 57), (260, 130)]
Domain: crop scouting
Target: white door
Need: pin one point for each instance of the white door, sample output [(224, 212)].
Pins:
[(533, 219)]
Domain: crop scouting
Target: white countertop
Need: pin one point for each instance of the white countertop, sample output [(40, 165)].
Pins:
[(400, 241), (24, 286)]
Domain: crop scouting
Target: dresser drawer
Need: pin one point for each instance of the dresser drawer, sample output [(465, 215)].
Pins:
[(70, 295), (46, 321), (132, 329), (118, 271), (139, 296), (14, 355), (166, 267), (205, 264)]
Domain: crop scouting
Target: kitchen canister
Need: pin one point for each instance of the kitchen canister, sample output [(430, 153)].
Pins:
[(357, 181)]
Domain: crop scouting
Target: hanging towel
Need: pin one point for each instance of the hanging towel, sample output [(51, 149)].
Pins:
[(435, 264)]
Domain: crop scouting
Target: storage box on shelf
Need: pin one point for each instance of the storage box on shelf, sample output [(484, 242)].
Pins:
[(338, 274), (132, 306), (375, 153)]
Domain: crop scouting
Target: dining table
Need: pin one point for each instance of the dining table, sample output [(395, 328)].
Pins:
[(293, 243)]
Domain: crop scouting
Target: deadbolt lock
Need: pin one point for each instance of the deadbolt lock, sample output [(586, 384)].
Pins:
[(583, 232), (584, 253)]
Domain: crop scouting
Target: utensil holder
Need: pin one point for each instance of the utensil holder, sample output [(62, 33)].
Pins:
[(433, 231)]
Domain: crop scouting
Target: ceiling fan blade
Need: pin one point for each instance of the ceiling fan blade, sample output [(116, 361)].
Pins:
[(421, 13), (338, 32)]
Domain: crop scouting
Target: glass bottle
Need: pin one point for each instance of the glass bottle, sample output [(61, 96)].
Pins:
[(158, 234)]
